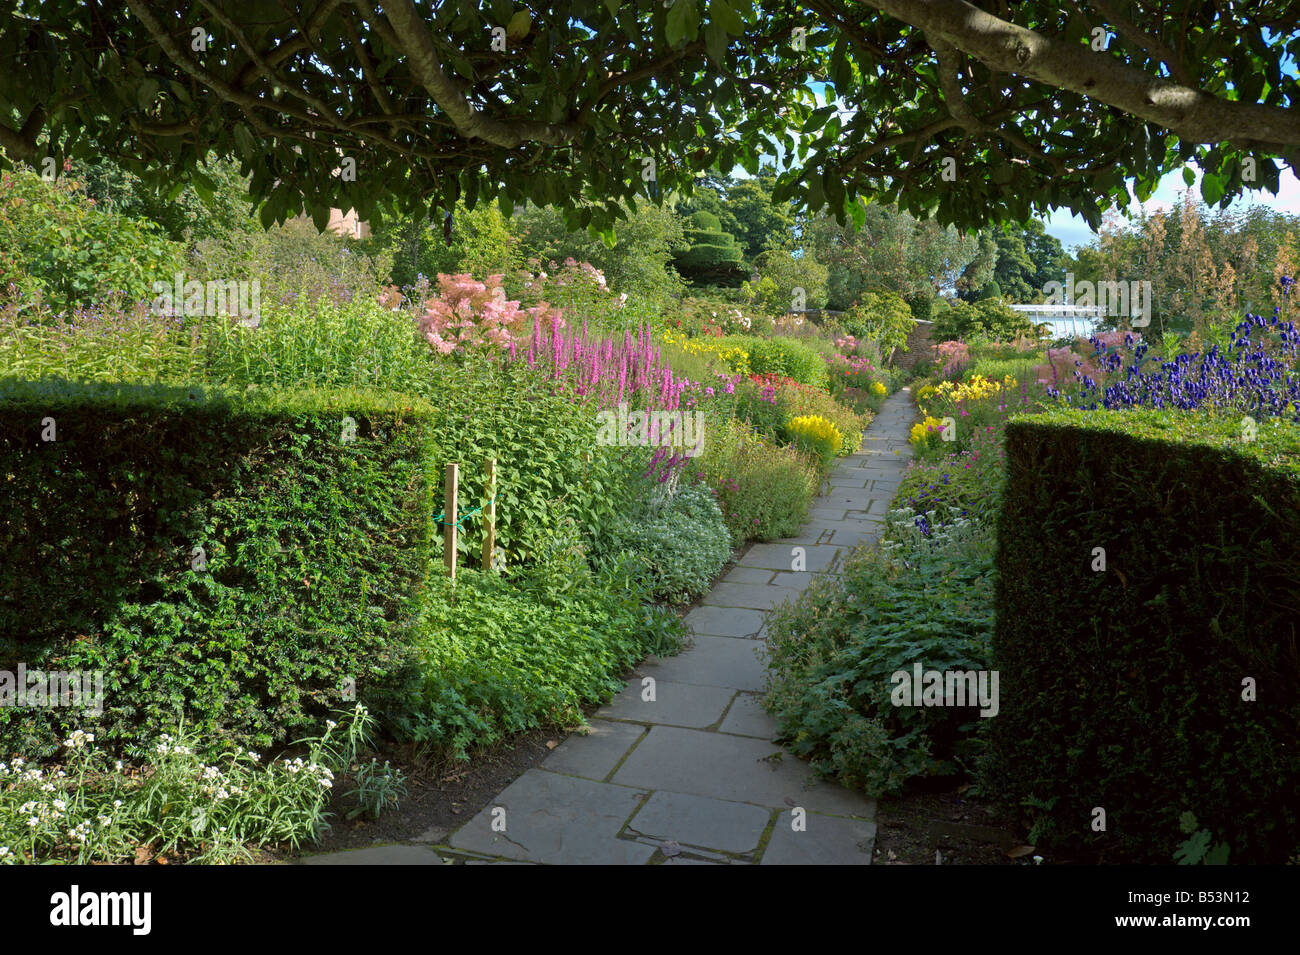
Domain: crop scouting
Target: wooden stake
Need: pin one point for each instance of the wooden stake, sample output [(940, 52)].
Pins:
[(449, 522), (490, 517)]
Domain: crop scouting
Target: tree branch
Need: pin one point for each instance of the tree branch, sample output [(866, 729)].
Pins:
[(1192, 114), (408, 33)]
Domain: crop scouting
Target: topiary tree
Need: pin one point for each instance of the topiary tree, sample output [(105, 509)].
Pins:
[(991, 291), (711, 255)]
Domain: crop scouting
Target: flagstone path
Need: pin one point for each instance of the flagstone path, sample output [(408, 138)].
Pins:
[(680, 769)]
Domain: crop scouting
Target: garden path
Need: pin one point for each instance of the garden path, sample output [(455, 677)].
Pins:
[(680, 769)]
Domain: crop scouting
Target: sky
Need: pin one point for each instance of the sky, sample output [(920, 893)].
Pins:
[(1073, 231)]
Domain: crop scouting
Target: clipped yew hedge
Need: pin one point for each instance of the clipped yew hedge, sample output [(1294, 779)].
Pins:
[(314, 544), (1123, 688)]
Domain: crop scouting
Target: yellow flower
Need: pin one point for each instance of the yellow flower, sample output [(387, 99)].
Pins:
[(878, 388), (817, 428), (922, 430)]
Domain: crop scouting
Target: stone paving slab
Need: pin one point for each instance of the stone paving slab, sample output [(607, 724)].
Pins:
[(700, 821), (748, 718), (724, 621), (561, 820), (713, 661), (748, 575), (781, 557), (735, 768), (596, 754), (827, 840), (795, 580), (748, 596), (675, 704)]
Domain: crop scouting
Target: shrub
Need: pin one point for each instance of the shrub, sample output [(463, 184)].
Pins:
[(313, 538), (1130, 680), (487, 674), (764, 490), (922, 306), (801, 400), (181, 802), (710, 254), (833, 652), (678, 535), (782, 273), (320, 343), (816, 435), (782, 356), (883, 317), (57, 244), (987, 317)]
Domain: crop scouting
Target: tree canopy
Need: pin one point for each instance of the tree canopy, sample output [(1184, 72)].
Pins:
[(961, 111)]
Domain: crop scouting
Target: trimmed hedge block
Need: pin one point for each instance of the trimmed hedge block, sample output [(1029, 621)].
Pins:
[(232, 559), (1124, 688)]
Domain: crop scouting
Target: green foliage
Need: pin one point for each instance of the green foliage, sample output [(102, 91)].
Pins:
[(293, 262), (922, 305), (551, 471), (834, 650), (882, 317), (780, 273), (1140, 666), (184, 800), (991, 291), (710, 254), (890, 251), (782, 356), (987, 318), (312, 541), (223, 211), (680, 537), (1197, 850), (487, 674), (764, 490), (69, 252), (320, 343), (481, 243), (638, 262)]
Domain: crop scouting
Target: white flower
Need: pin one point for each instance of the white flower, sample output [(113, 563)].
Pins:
[(105, 820), (33, 822), (117, 804), (78, 739), (60, 805), (5, 851), (331, 725), (118, 765)]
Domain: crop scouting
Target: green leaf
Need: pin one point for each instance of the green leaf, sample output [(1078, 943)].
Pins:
[(682, 23), (244, 141), (1189, 176), (204, 186), (146, 93), (715, 42), (1212, 188), (320, 217), (721, 13), (519, 25)]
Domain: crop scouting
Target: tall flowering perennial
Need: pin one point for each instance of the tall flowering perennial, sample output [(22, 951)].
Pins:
[(1255, 375), (466, 313), (954, 356)]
